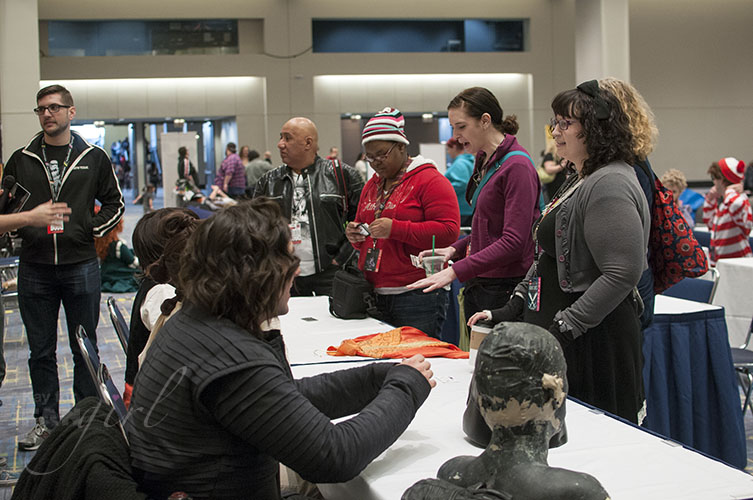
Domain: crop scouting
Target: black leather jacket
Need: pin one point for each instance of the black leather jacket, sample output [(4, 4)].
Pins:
[(327, 215)]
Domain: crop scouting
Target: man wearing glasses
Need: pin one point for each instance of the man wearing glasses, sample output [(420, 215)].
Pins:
[(58, 262), (318, 197)]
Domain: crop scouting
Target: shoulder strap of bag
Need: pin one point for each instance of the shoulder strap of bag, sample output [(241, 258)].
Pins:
[(652, 178), (493, 169), (340, 179)]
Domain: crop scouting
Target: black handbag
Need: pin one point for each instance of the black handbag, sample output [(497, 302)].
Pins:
[(352, 296)]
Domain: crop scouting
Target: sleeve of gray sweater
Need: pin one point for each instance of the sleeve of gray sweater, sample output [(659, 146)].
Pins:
[(614, 234), (265, 408)]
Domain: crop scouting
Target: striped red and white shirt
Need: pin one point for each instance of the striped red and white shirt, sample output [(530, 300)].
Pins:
[(730, 223)]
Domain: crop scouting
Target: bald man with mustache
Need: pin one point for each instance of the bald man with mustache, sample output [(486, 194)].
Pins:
[(318, 197)]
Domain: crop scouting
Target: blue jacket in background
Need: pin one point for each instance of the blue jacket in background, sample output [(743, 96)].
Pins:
[(459, 173)]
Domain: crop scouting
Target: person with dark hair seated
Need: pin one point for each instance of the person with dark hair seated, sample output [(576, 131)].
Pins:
[(149, 240), (165, 299), (215, 408)]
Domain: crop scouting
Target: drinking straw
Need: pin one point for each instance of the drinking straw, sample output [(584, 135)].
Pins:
[(433, 241)]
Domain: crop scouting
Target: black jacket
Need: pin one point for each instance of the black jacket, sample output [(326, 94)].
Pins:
[(89, 177), (327, 215), (215, 409), (84, 458), (191, 171)]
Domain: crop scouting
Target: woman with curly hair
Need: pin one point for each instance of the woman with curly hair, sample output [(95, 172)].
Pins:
[(117, 263), (216, 408), (643, 127), (591, 243)]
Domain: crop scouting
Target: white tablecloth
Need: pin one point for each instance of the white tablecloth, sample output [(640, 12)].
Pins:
[(672, 305), (735, 293), (630, 463), (309, 328)]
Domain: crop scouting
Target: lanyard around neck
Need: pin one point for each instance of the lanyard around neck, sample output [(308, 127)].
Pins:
[(565, 192), (55, 172), (384, 195), (491, 170)]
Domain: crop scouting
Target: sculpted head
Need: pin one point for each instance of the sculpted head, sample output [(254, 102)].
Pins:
[(521, 379)]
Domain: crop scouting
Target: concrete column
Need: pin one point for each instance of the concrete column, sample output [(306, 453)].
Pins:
[(602, 39), (138, 162), (19, 77)]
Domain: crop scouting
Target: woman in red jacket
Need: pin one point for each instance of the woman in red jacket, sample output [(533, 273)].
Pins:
[(404, 208)]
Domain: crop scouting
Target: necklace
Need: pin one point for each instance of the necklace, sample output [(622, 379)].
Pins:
[(567, 190)]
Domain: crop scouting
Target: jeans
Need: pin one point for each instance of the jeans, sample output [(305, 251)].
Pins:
[(425, 311), (41, 288), (236, 192)]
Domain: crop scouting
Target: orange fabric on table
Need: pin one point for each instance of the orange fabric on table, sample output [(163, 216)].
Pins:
[(127, 395), (401, 342)]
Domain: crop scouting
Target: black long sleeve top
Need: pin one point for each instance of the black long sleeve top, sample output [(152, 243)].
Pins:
[(215, 410)]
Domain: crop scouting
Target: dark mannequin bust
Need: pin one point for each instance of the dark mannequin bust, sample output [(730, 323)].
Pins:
[(479, 433), (521, 383)]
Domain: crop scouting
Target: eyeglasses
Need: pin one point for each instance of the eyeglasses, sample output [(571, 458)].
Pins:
[(563, 123), (53, 108), (380, 158)]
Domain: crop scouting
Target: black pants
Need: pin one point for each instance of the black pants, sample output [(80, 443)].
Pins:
[(314, 284), (487, 293)]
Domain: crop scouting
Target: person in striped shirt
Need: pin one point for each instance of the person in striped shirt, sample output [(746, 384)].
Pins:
[(727, 212)]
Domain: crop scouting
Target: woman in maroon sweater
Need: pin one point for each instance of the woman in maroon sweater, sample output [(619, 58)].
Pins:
[(406, 205), (504, 193)]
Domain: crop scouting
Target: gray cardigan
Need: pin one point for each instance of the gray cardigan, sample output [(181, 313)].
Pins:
[(601, 240)]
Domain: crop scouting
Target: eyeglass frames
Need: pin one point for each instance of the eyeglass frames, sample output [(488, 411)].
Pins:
[(563, 123), (381, 157), (53, 108)]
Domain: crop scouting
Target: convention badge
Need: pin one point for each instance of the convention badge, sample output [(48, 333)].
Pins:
[(534, 297), (55, 228), (373, 258), (295, 233)]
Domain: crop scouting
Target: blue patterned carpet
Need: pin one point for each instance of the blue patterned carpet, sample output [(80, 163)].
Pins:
[(17, 411)]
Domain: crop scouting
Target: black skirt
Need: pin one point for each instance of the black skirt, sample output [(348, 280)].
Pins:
[(604, 365)]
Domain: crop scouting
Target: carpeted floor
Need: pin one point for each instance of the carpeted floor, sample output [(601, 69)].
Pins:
[(17, 411)]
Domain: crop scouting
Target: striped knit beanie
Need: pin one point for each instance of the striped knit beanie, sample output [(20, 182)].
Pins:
[(733, 169), (387, 125)]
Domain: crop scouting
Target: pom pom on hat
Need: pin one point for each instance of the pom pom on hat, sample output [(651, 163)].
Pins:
[(732, 169), (387, 125)]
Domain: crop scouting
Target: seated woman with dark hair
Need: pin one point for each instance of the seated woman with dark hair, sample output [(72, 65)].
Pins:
[(164, 299), (148, 244), (215, 406)]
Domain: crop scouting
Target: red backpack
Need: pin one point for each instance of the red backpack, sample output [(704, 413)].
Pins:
[(674, 253)]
